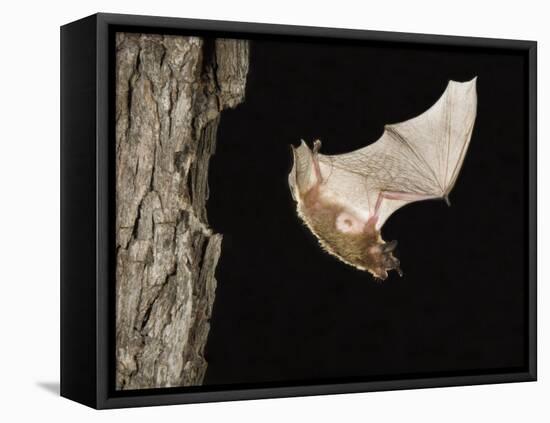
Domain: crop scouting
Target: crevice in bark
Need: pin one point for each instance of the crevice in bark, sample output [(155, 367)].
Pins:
[(170, 92)]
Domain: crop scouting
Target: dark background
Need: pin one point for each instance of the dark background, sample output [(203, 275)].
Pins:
[(285, 310)]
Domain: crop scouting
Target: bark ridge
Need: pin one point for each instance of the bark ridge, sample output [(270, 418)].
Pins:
[(170, 91)]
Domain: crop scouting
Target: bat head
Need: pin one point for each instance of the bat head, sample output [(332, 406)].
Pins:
[(363, 249), (380, 260), (367, 251)]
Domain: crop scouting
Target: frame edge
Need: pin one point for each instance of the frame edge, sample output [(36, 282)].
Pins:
[(103, 398)]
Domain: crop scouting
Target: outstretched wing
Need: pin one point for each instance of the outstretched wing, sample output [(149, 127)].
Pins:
[(419, 158)]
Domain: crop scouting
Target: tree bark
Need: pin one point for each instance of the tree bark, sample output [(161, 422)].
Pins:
[(170, 91)]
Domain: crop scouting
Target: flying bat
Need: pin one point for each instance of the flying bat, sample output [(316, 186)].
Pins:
[(345, 199)]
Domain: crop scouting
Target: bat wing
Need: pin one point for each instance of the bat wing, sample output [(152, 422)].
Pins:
[(413, 160)]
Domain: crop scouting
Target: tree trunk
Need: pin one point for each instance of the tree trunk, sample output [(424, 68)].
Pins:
[(170, 91)]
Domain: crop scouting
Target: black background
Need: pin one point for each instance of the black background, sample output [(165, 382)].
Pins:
[(286, 311)]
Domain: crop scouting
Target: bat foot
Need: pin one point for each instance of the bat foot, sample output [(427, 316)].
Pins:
[(316, 146)]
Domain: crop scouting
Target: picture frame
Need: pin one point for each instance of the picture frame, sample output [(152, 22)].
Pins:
[(88, 299)]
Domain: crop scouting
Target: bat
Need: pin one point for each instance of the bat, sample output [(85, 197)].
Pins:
[(345, 199)]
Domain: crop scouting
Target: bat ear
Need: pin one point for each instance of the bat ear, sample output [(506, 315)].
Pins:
[(388, 247)]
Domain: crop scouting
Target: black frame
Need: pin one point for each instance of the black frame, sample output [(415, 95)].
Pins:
[(87, 172)]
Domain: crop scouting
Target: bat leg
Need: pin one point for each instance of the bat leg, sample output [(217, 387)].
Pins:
[(378, 204), (371, 222)]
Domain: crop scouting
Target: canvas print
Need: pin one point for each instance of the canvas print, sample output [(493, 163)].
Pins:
[(263, 184)]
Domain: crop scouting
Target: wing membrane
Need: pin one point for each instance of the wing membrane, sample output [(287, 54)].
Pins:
[(420, 156)]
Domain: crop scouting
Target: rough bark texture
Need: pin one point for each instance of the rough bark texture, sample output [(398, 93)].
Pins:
[(170, 91)]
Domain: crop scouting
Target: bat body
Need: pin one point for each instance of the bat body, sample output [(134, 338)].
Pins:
[(345, 199)]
